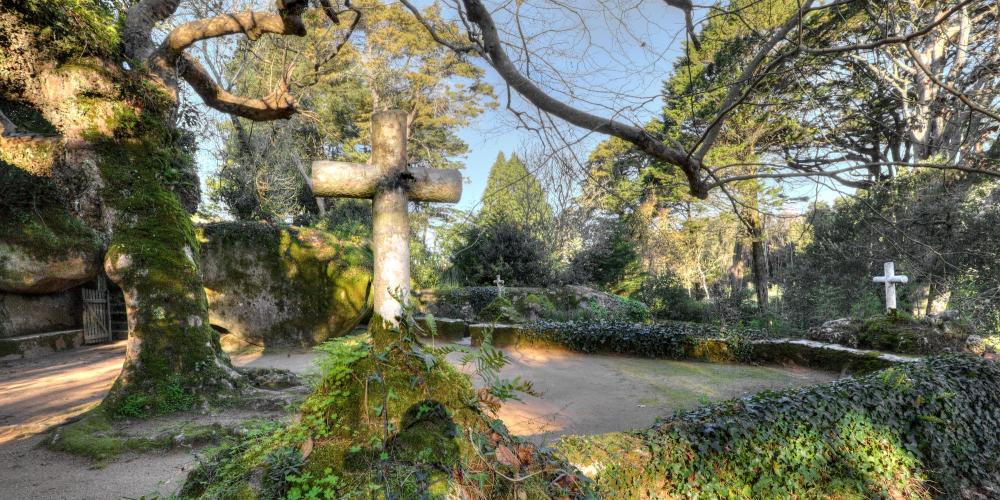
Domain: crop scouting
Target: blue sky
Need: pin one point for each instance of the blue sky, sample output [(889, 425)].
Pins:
[(597, 65), (611, 62)]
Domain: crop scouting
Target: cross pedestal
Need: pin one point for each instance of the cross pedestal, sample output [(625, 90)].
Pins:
[(390, 184), (890, 279)]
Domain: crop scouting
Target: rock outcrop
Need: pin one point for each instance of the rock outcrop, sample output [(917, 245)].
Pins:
[(270, 285), (22, 271)]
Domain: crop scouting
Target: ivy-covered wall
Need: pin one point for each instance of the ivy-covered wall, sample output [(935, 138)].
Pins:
[(921, 430)]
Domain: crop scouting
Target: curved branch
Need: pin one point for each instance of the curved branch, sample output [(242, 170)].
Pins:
[(278, 105), (170, 59), (495, 54), (252, 24)]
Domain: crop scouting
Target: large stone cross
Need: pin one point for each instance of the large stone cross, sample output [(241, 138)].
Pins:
[(390, 184), (890, 279)]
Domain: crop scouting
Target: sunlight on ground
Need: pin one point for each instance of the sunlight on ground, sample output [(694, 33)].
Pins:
[(39, 393), (581, 394), (591, 394)]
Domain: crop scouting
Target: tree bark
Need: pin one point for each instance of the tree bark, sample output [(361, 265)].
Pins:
[(761, 280)]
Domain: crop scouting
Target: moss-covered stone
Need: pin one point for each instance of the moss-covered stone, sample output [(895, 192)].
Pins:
[(45, 248), (895, 332), (273, 285), (128, 170)]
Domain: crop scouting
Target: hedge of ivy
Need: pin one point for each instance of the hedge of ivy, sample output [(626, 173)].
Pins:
[(671, 340), (927, 429)]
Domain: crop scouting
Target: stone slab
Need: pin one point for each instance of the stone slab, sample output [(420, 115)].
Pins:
[(39, 344), (504, 335)]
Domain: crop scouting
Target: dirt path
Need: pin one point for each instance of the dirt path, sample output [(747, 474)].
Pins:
[(582, 394)]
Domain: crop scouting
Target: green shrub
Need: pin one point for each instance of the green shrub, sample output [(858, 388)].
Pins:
[(904, 432), (668, 300), (503, 249)]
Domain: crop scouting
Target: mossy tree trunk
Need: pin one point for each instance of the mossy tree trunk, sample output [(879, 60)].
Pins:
[(125, 170), (173, 356)]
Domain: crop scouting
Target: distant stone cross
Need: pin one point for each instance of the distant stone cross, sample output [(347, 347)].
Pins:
[(499, 283), (890, 279), (390, 184)]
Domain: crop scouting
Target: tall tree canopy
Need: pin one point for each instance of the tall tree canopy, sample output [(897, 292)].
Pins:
[(515, 196)]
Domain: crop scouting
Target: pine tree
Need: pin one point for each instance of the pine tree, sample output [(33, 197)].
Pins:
[(514, 195)]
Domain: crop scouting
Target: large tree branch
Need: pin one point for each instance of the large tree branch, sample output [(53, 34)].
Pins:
[(252, 24), (276, 106), (170, 61), (493, 51)]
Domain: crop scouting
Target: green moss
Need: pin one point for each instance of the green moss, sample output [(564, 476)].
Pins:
[(97, 436), (387, 416), (72, 27), (153, 255), (167, 395), (36, 219)]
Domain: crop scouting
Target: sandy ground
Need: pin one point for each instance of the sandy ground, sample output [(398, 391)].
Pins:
[(594, 394), (581, 394)]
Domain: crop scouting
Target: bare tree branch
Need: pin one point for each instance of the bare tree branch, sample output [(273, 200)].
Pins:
[(495, 54), (170, 61)]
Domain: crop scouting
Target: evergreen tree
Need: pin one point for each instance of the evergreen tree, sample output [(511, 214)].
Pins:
[(514, 195)]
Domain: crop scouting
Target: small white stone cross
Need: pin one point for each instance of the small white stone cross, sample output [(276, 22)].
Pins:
[(890, 279), (499, 283), (390, 184)]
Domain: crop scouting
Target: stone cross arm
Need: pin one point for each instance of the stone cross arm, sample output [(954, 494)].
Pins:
[(357, 180)]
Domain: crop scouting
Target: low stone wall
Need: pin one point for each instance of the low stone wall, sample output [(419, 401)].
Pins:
[(40, 344), (523, 304), (699, 344)]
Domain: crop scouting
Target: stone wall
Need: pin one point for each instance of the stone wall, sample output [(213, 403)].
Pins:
[(27, 314)]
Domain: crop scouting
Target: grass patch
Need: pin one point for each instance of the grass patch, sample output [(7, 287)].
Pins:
[(102, 439)]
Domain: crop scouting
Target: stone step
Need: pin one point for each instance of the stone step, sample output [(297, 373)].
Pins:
[(448, 329), (39, 344)]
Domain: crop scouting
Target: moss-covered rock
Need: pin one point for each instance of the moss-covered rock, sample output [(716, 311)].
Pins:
[(45, 249), (273, 285), (389, 419), (894, 333)]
